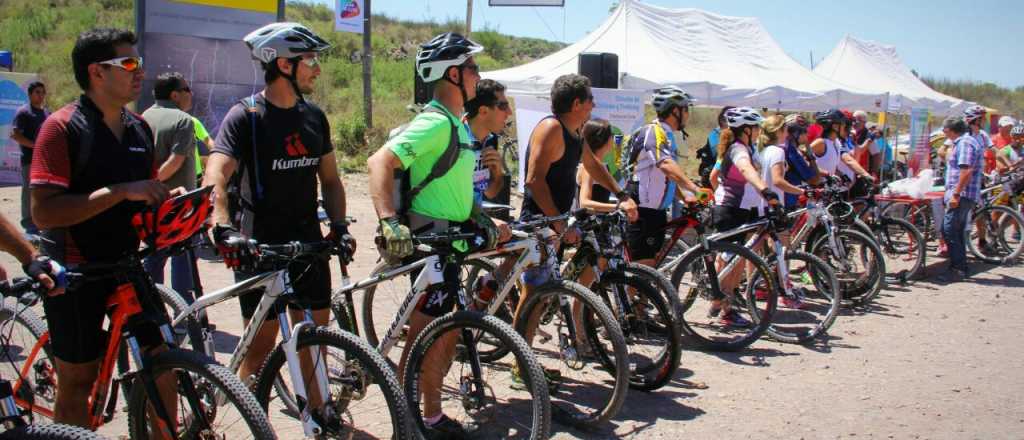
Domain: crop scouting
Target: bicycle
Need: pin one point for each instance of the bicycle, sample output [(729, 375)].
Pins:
[(203, 387), (343, 367), (901, 241), (474, 384)]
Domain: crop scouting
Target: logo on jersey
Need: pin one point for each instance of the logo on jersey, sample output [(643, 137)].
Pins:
[(287, 164), (293, 145)]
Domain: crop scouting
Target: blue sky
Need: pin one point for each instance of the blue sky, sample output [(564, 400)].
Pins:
[(979, 39)]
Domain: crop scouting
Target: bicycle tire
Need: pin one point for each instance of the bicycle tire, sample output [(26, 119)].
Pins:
[(173, 300), (41, 386), (209, 374), (694, 261), (1002, 250), (49, 432), (668, 291), (860, 289), (539, 425), (824, 298), (647, 373), (368, 366), (914, 250), (370, 298), (590, 304)]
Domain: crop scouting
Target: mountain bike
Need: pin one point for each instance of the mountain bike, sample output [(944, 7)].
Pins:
[(499, 400), (902, 243)]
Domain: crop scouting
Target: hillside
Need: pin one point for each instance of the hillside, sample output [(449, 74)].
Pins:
[(42, 37), (1010, 102)]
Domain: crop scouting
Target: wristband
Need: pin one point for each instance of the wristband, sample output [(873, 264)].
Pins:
[(622, 195)]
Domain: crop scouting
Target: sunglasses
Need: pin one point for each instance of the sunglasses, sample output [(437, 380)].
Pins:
[(129, 64), (475, 68), (312, 61)]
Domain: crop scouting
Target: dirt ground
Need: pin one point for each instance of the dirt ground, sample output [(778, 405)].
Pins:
[(925, 361)]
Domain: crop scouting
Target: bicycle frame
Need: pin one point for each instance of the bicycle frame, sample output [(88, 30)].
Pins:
[(275, 284)]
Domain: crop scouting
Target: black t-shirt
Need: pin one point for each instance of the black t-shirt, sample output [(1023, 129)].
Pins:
[(28, 120), (279, 171)]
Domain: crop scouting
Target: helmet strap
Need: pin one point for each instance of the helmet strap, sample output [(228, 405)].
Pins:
[(292, 78), (460, 84)]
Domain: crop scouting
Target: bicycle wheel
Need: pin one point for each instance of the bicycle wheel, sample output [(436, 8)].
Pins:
[(210, 401), (861, 273), (500, 400), (812, 304), (353, 408), (49, 432), (174, 304), (586, 391), (648, 323), (380, 303), (21, 331), (700, 317), (490, 350), (903, 247), (1002, 228)]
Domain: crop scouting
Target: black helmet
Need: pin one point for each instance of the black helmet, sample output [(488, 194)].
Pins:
[(829, 117), (445, 50)]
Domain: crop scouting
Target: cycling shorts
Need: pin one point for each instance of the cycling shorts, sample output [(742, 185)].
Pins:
[(647, 235), (311, 284)]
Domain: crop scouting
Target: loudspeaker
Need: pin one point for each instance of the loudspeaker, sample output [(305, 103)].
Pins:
[(601, 67), (422, 92)]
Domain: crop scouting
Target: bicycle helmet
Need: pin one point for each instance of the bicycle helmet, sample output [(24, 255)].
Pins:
[(665, 98), (175, 220), (283, 40), (742, 116), (1017, 130), (829, 117), (974, 112), (847, 116), (444, 51)]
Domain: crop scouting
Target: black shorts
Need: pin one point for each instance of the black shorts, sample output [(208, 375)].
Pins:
[(75, 319), (647, 235), (440, 298), (311, 284), (726, 218)]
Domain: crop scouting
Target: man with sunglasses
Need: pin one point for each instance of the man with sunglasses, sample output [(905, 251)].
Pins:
[(275, 150), (84, 203), (486, 115), (25, 128), (175, 153)]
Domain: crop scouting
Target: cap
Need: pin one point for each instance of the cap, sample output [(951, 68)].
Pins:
[(1006, 121)]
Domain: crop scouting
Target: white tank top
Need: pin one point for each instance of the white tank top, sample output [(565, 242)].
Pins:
[(829, 162)]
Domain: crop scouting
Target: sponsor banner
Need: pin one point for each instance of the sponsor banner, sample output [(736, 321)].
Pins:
[(223, 19), (919, 140), (348, 16), (12, 96)]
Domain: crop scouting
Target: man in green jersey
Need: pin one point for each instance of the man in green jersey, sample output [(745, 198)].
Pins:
[(447, 62)]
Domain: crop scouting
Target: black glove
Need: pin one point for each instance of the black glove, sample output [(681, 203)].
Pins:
[(339, 235), (43, 265), (238, 252), (769, 195)]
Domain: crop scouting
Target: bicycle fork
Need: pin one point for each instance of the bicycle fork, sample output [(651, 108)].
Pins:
[(289, 337)]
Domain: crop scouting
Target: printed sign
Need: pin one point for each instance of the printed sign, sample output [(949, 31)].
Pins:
[(348, 16), (13, 95), (919, 140)]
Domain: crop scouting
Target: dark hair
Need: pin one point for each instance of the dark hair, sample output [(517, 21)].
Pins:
[(166, 83), (721, 115), (955, 124), (271, 72), (596, 133), (487, 91), (32, 86), (96, 45), (568, 88)]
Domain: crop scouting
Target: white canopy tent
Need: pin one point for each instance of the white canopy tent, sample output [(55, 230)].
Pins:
[(873, 66), (720, 60)]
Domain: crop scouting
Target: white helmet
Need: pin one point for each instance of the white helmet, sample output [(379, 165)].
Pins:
[(742, 116), (974, 112), (667, 97), (444, 51), (283, 40)]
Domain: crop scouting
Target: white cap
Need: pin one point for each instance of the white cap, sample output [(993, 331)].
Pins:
[(860, 114), (1006, 121)]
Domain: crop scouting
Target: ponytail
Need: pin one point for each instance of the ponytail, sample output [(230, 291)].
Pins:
[(725, 140)]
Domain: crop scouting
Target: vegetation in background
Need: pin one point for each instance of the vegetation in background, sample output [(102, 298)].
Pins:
[(1007, 101)]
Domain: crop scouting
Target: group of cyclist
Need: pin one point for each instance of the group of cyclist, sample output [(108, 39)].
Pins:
[(93, 168)]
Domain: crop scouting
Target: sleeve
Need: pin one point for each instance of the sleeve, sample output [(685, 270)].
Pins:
[(426, 133), (986, 140), (799, 164), (736, 154), (657, 146), (51, 164), (201, 133), (184, 137), (327, 145), (775, 155), (235, 132), (964, 156), (21, 120)]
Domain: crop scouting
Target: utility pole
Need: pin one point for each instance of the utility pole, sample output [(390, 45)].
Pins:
[(469, 17), (812, 59), (367, 68)]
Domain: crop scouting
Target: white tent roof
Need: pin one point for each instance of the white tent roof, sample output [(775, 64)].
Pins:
[(720, 60), (873, 66)]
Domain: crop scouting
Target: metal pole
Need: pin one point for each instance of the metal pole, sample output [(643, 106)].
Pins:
[(469, 17), (367, 69)]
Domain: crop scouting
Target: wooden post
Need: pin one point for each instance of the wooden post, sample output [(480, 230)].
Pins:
[(469, 17), (367, 68)]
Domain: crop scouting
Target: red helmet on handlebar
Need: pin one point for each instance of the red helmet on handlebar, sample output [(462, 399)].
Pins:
[(175, 220)]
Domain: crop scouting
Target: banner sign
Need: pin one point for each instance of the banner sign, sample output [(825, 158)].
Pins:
[(624, 109), (348, 16), (895, 103), (919, 145), (13, 95), (202, 40), (526, 2)]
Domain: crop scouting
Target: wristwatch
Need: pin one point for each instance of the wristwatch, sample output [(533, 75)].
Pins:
[(622, 195)]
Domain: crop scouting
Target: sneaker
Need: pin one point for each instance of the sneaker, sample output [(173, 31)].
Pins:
[(553, 378), (446, 429), (733, 319)]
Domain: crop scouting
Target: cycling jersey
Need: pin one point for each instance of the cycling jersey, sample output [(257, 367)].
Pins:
[(481, 174), (418, 147), (109, 234), (654, 189), (201, 149), (279, 169), (769, 157), (733, 189)]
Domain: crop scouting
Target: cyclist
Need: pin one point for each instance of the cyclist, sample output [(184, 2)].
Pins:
[(831, 153), (597, 133), (37, 266), (275, 147), (486, 115), (974, 116), (801, 165), (739, 192), (447, 61), (653, 184), (83, 198), (1013, 153)]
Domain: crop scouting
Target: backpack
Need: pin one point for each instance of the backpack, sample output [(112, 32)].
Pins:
[(241, 201), (403, 191)]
